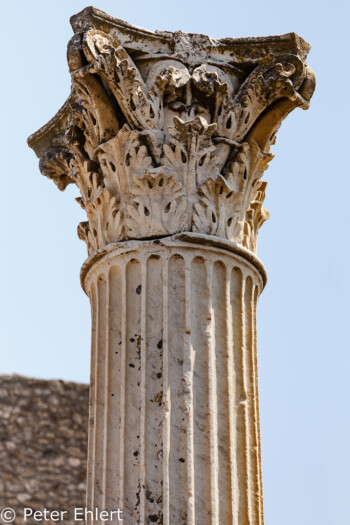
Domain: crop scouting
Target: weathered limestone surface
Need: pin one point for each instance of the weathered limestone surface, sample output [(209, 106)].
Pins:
[(43, 444), (167, 136), (174, 426)]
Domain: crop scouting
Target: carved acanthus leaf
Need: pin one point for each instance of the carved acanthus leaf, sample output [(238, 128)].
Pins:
[(217, 212), (191, 152), (246, 169), (122, 158), (105, 220), (158, 207), (88, 177), (255, 217)]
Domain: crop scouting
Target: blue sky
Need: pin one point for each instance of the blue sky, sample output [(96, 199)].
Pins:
[(303, 315)]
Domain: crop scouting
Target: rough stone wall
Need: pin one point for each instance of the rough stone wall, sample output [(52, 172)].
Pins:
[(43, 444)]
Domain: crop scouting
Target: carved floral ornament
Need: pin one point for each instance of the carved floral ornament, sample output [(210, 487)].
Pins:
[(165, 145)]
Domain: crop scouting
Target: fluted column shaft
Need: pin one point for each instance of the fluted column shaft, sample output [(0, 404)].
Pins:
[(174, 417)]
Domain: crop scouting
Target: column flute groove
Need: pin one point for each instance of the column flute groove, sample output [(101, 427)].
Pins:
[(95, 405), (167, 137), (261, 499), (212, 401), (143, 390), (250, 382), (123, 390), (188, 396), (92, 405), (244, 429), (231, 372), (167, 401), (106, 394), (113, 380)]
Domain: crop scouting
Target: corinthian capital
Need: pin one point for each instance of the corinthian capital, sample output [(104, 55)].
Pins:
[(166, 133)]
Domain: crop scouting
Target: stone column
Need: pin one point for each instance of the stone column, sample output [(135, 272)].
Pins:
[(167, 136)]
